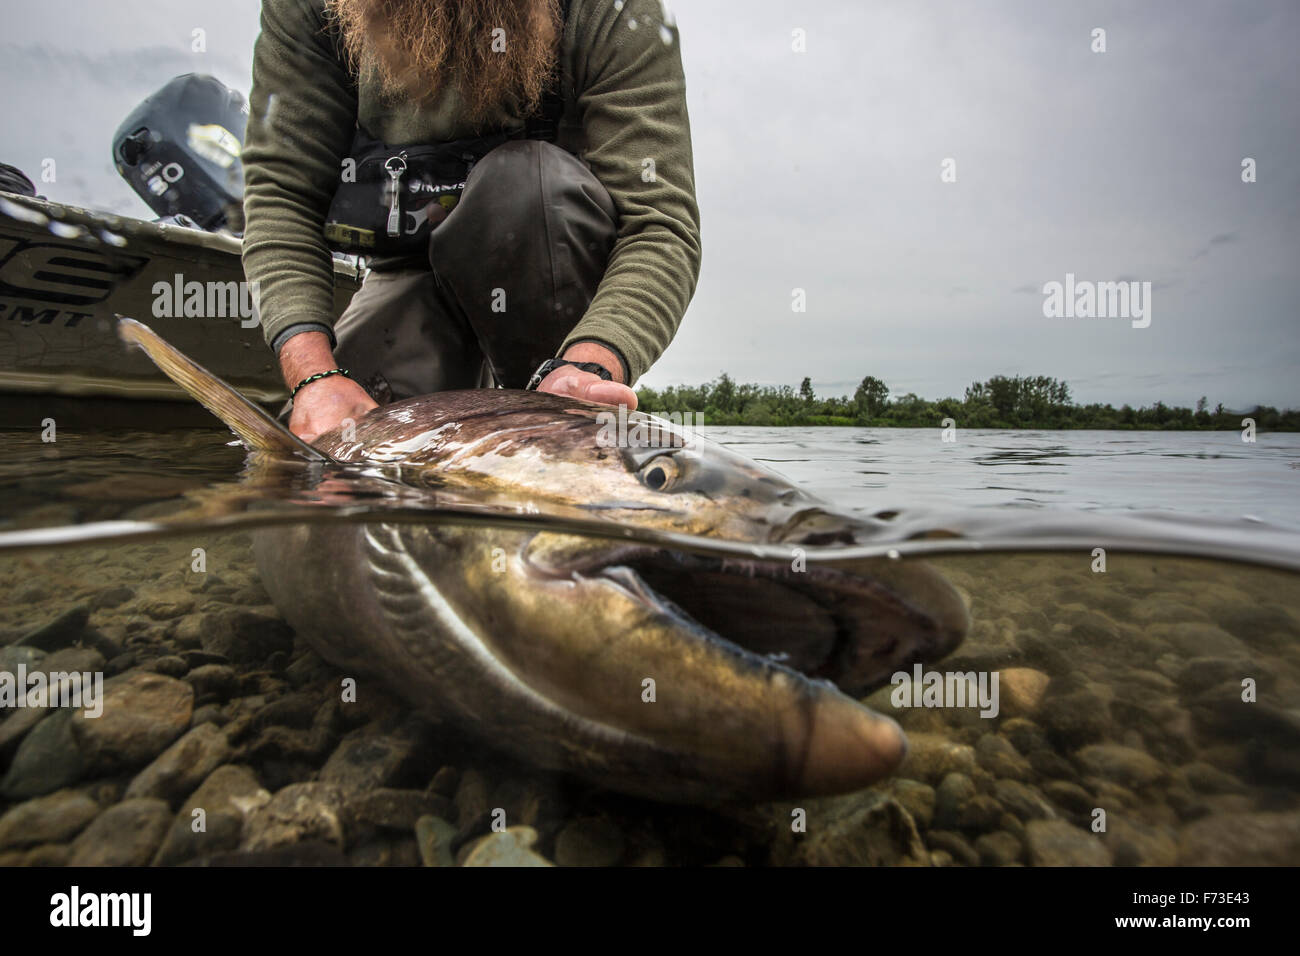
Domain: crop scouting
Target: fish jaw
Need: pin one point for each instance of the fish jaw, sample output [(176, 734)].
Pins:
[(852, 622)]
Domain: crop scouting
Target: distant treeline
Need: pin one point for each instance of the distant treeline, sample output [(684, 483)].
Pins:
[(1000, 402)]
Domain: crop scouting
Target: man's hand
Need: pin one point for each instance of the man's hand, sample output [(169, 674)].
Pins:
[(325, 403), (567, 380)]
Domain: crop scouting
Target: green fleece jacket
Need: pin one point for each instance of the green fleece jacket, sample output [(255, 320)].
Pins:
[(625, 102)]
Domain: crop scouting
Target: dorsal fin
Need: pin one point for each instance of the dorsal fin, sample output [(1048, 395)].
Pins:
[(258, 430)]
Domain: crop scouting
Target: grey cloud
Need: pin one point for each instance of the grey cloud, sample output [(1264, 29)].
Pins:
[(1114, 164)]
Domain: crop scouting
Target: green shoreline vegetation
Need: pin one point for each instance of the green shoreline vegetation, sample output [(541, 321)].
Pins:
[(1000, 402)]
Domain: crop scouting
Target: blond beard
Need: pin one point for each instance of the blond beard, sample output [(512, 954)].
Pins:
[(498, 54)]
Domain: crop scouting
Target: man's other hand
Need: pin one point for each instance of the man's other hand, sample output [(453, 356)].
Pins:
[(567, 380)]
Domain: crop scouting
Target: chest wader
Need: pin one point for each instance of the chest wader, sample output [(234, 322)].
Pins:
[(509, 271)]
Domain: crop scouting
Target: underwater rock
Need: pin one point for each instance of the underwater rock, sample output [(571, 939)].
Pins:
[(284, 744), (11, 658), (208, 714), (47, 854), (127, 834), (47, 759), (866, 829), (1044, 655), (471, 802), (1021, 691), (167, 605), (980, 814), (299, 813), (64, 631), (1089, 627), (212, 682), (1022, 800), (956, 846), (1057, 843), (435, 837), (999, 757), (395, 851), (953, 793), (1241, 839), (15, 727), (999, 848), (445, 781), (510, 847), (1069, 796), (1126, 766), (1050, 764), (81, 660), (930, 757), (526, 802), (182, 766), (1199, 640), (143, 713), (918, 799), (169, 664), (188, 631), (1164, 611), (244, 636), (55, 818), (1202, 673), (227, 797), (1025, 735), (111, 598), (394, 809), (196, 658), (306, 667), (647, 851), (1075, 719), (363, 761), (1265, 626), (1206, 778), (308, 853), (1139, 844), (120, 663), (589, 841)]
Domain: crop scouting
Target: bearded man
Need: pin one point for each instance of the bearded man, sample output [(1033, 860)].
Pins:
[(568, 259)]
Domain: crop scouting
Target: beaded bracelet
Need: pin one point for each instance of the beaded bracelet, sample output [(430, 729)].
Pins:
[(319, 375)]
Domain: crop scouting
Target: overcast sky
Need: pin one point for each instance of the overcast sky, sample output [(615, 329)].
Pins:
[(821, 170)]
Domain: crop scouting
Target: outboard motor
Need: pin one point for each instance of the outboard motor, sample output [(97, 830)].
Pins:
[(180, 151), (14, 180)]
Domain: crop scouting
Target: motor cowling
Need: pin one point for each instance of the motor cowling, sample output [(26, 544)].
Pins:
[(180, 151)]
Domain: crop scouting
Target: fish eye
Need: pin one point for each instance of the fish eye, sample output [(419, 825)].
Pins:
[(658, 474)]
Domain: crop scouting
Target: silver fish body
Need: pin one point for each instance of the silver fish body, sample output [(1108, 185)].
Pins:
[(664, 674)]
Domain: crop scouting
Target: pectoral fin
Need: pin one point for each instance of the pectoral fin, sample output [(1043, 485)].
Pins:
[(255, 428)]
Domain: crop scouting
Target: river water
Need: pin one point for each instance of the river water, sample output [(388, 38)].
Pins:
[(1186, 474), (1149, 708)]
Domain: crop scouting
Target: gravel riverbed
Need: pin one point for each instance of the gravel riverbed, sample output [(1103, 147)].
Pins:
[(1121, 738)]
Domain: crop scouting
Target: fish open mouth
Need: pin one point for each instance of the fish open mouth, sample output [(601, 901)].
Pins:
[(853, 625)]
